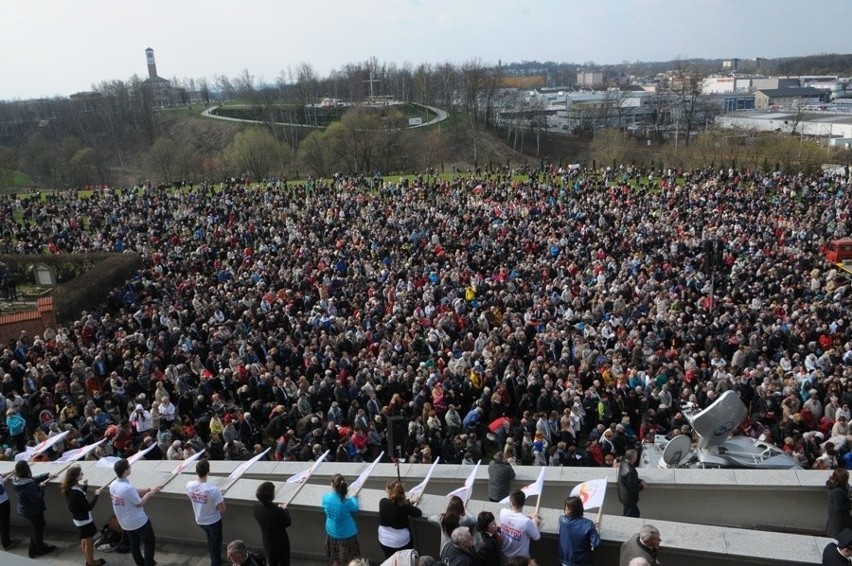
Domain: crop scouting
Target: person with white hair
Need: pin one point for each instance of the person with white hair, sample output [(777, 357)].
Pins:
[(460, 551), (645, 544), (639, 561), (175, 451)]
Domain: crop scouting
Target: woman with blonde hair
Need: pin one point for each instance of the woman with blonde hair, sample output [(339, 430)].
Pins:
[(74, 490), (394, 512)]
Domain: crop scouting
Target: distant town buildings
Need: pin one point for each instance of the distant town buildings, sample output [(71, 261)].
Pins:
[(590, 79)]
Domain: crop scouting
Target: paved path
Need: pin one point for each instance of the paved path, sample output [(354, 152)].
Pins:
[(440, 116)]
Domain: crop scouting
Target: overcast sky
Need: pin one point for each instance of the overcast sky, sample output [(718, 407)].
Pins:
[(58, 47)]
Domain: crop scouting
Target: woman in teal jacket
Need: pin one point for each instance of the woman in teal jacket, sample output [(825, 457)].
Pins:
[(342, 542), (17, 428)]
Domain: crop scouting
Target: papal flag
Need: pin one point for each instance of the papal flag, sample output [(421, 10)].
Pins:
[(188, 462), (466, 490), (109, 461), (79, 453), (241, 469), (42, 447), (362, 479), (302, 477), (417, 490), (591, 493), (534, 488)]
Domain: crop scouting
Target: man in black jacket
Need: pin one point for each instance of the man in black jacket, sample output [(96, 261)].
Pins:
[(838, 553), (629, 484)]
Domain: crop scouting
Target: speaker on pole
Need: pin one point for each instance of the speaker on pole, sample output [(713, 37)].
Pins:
[(397, 433)]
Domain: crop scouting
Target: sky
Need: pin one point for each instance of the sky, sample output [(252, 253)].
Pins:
[(59, 47)]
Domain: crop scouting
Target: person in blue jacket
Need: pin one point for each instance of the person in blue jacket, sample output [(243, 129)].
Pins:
[(578, 536), (342, 542)]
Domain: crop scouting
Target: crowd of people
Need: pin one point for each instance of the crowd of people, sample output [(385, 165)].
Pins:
[(561, 320)]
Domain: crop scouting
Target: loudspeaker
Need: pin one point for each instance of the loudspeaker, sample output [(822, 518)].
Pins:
[(397, 434)]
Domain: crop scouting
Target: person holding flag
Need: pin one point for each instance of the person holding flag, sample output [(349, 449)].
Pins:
[(342, 540), (208, 504), (517, 529), (74, 491), (273, 521), (127, 504), (394, 513), (578, 536), (30, 492)]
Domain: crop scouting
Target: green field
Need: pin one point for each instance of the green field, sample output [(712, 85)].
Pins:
[(16, 181)]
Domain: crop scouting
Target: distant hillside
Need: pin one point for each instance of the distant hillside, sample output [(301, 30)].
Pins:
[(825, 64)]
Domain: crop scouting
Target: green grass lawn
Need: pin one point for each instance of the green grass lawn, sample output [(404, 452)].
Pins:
[(16, 181)]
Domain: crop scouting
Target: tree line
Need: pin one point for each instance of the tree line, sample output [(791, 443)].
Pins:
[(121, 130)]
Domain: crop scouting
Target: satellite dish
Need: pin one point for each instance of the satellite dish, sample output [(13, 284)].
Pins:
[(677, 450)]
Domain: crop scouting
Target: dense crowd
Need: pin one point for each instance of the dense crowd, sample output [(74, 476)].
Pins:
[(561, 320)]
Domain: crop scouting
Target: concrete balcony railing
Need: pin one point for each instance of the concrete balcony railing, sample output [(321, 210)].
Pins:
[(705, 516)]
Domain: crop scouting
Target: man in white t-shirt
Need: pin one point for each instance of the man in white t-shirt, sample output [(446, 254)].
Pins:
[(208, 506), (127, 504), (516, 529)]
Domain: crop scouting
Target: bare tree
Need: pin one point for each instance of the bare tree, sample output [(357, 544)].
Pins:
[(446, 79), (693, 107)]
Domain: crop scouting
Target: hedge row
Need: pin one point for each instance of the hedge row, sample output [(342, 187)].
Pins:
[(86, 279)]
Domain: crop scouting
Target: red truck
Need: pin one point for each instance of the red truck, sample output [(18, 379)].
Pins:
[(839, 252)]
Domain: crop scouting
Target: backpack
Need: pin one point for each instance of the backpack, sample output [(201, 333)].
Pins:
[(112, 538)]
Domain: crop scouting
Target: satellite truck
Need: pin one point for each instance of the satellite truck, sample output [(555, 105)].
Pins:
[(716, 448)]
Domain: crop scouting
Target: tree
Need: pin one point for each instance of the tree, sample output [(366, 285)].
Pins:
[(446, 79), (611, 146), (245, 85), (163, 159), (694, 108), (82, 167), (8, 164), (256, 153), (316, 154)]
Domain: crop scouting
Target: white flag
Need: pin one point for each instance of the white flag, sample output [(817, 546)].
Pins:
[(141, 454), (301, 477), (591, 493), (41, 447), (186, 463), (466, 490), (362, 479), (79, 453), (534, 488), (107, 462), (417, 490), (240, 470)]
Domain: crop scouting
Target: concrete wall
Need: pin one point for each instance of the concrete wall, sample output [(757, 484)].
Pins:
[(694, 496)]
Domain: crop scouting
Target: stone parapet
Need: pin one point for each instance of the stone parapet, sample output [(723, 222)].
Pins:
[(695, 496)]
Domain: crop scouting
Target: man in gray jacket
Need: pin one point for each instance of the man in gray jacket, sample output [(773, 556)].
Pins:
[(500, 476), (644, 544)]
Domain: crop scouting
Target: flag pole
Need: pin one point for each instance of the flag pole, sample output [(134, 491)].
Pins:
[(298, 489), (600, 512), (229, 485), (361, 480)]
